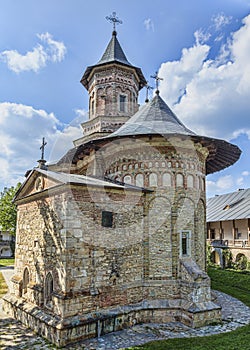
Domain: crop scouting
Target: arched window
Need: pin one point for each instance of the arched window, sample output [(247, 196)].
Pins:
[(139, 180), (48, 289), (190, 181), (127, 179), (166, 179), (26, 279), (179, 180), (153, 179)]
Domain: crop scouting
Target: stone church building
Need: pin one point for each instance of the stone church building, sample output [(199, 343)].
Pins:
[(114, 233)]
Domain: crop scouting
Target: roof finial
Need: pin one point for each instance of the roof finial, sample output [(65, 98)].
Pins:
[(148, 88), (115, 21), (42, 161), (157, 78)]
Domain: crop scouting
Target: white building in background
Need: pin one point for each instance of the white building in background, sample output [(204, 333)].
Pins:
[(228, 225), (5, 244)]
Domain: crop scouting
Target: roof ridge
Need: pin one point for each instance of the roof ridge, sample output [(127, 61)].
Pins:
[(114, 52)]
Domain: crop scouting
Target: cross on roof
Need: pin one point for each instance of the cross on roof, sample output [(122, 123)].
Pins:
[(157, 78), (148, 88), (113, 19), (43, 147)]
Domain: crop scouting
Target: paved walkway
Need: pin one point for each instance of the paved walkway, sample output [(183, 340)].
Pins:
[(13, 335)]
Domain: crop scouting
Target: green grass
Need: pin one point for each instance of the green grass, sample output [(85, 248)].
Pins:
[(235, 283), (7, 262), (3, 286)]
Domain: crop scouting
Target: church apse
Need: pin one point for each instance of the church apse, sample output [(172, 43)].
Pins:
[(113, 234)]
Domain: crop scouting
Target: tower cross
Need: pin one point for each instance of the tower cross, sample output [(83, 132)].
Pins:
[(148, 87), (157, 78), (43, 147), (113, 18)]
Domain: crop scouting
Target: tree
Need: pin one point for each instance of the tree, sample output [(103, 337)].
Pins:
[(8, 210)]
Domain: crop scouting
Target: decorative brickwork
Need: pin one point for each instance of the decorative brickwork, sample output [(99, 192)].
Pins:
[(114, 233)]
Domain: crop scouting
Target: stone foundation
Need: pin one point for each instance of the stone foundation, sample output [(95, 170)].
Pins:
[(64, 331)]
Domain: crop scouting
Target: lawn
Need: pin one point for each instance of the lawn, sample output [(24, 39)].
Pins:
[(235, 283), (7, 262)]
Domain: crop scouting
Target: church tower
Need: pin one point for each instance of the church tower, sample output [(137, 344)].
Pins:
[(113, 85), (114, 234)]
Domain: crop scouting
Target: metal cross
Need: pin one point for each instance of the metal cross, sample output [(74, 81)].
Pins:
[(156, 80), (148, 88), (113, 19), (43, 147)]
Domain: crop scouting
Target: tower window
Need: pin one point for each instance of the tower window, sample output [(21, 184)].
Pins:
[(185, 243), (122, 103), (107, 219)]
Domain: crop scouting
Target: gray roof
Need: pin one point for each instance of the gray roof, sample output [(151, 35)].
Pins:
[(231, 206), (154, 117), (114, 52), (74, 179)]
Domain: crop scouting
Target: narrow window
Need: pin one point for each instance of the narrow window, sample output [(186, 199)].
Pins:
[(26, 279), (122, 103), (185, 243), (48, 289), (107, 219)]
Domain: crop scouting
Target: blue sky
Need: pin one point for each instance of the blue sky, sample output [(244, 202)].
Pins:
[(201, 49)]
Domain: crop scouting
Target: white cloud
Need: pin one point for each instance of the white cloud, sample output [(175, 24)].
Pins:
[(245, 173), (149, 24), (21, 132), (220, 186), (82, 115), (211, 96), (49, 51), (220, 20)]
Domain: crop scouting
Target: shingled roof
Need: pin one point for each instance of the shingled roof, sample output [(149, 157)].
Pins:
[(113, 54), (155, 117)]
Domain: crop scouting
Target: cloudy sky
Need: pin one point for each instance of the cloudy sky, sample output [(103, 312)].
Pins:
[(201, 49)]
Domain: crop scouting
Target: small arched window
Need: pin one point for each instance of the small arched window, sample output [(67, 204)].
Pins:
[(48, 289), (26, 279), (139, 180), (179, 180), (166, 179), (153, 179)]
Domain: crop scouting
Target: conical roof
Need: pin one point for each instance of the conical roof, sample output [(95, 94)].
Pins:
[(114, 52), (155, 117)]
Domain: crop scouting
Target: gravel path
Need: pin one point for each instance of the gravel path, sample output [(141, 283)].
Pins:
[(13, 335)]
